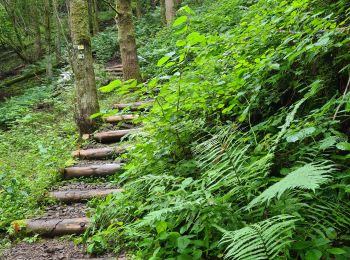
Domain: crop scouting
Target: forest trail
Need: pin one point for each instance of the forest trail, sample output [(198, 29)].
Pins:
[(69, 215)]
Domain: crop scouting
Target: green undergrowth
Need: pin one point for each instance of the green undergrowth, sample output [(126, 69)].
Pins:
[(245, 153), (37, 141)]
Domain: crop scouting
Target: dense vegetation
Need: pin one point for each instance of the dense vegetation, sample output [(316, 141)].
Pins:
[(36, 132), (244, 154), (246, 150)]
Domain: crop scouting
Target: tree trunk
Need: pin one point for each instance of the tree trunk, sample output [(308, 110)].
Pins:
[(47, 7), (82, 64), (37, 36), (58, 40), (93, 17), (162, 12), (169, 11), (127, 41), (138, 9)]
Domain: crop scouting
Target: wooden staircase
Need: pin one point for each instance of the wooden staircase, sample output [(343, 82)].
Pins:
[(93, 162)]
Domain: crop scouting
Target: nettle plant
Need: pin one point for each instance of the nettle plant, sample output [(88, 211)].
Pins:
[(245, 153)]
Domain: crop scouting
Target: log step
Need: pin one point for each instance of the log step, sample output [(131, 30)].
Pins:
[(113, 136), (71, 196), (132, 106), (111, 69), (92, 170), (120, 118), (52, 227), (100, 153)]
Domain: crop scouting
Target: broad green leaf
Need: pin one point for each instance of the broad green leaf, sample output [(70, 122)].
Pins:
[(182, 30), (313, 254), (187, 9), (180, 20), (111, 86), (183, 243), (161, 227), (95, 115), (344, 146), (195, 38), (181, 43), (162, 61), (336, 251), (153, 82)]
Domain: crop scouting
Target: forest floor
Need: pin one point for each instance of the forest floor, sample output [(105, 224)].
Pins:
[(49, 241)]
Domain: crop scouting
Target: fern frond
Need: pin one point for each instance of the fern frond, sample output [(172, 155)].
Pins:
[(308, 177), (263, 240), (324, 214)]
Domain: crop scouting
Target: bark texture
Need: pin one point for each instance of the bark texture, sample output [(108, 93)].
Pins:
[(93, 17), (169, 11), (127, 41), (120, 118), (48, 37), (92, 170), (162, 12), (82, 63), (100, 153), (133, 106), (56, 227), (113, 136), (72, 196)]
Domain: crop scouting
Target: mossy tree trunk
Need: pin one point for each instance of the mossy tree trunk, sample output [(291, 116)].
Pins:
[(82, 63), (127, 41)]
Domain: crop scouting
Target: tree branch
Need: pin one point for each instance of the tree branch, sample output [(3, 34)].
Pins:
[(110, 5)]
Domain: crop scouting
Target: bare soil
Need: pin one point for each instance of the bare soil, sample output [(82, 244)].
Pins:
[(50, 249)]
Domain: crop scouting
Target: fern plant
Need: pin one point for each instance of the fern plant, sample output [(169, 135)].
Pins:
[(263, 240), (308, 177)]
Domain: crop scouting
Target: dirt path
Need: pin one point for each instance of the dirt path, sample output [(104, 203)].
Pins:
[(68, 215)]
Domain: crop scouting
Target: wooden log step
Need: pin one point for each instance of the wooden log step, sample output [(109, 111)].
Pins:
[(100, 153), (111, 69), (132, 106), (71, 196), (92, 170), (52, 227), (113, 136), (120, 118)]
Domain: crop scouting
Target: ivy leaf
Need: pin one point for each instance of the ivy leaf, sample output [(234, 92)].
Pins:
[(180, 20)]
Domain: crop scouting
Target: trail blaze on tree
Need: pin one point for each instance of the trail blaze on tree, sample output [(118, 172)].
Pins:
[(82, 62)]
